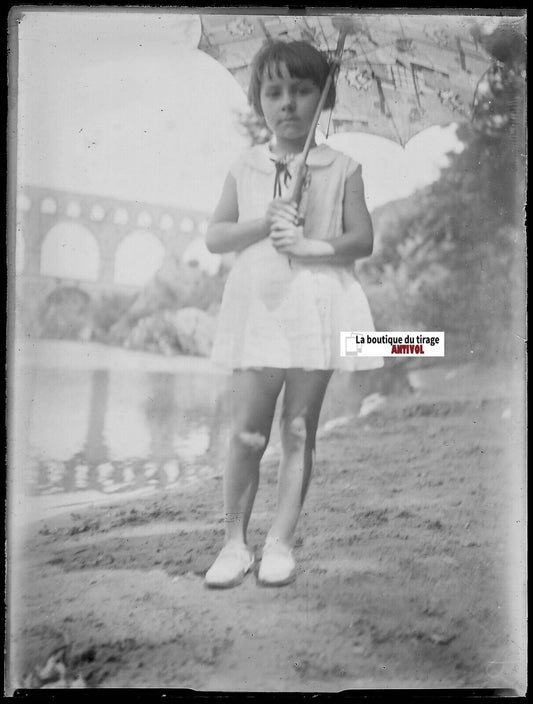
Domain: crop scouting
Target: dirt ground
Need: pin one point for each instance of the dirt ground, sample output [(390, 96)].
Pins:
[(407, 552)]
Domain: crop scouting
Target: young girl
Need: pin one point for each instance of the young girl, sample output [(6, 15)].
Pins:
[(289, 294)]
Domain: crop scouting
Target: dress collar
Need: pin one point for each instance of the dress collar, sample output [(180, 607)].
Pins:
[(261, 158)]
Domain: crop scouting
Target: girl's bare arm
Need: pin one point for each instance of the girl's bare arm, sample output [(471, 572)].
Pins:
[(224, 233), (357, 240)]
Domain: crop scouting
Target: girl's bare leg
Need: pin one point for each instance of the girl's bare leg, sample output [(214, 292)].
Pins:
[(253, 405), (302, 401)]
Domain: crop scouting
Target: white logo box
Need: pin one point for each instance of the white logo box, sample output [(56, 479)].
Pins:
[(417, 343)]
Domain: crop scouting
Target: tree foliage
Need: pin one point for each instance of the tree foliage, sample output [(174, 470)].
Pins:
[(452, 249)]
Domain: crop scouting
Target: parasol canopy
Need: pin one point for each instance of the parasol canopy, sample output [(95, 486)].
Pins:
[(399, 73)]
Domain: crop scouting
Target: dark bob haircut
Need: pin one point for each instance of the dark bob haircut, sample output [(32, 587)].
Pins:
[(302, 61)]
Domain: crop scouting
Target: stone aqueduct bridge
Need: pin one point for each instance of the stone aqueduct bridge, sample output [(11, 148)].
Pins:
[(65, 238)]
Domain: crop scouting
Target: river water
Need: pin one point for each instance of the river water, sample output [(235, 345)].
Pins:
[(90, 423)]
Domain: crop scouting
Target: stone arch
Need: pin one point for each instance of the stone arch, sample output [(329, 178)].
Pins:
[(70, 250), (49, 205), (97, 212), (139, 255)]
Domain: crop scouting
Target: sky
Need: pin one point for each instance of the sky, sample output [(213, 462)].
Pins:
[(124, 104)]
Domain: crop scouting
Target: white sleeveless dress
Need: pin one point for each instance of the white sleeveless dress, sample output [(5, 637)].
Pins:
[(282, 314)]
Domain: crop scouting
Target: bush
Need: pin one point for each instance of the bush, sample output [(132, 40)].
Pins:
[(207, 294), (187, 331), (107, 311), (392, 297), (154, 334), (66, 314)]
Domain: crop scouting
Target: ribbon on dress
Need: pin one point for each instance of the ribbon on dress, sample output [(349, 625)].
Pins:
[(282, 171)]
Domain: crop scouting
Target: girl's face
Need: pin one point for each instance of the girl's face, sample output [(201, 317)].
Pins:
[(288, 103)]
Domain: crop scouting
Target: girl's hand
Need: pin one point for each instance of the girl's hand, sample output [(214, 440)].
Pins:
[(288, 238), (281, 209)]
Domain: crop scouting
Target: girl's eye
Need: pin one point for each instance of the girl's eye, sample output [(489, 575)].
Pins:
[(271, 92), (274, 93)]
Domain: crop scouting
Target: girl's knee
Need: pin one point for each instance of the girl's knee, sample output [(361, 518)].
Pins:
[(297, 433), (249, 441)]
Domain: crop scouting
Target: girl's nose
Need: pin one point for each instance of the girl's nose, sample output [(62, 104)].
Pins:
[(288, 102)]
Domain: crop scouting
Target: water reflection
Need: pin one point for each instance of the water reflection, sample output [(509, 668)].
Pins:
[(115, 430), (95, 449)]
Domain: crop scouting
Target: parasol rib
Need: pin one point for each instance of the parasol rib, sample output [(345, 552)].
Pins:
[(323, 33), (265, 30)]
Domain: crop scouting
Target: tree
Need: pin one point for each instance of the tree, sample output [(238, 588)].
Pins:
[(457, 241)]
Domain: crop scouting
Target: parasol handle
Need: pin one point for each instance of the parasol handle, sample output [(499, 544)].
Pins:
[(301, 172)]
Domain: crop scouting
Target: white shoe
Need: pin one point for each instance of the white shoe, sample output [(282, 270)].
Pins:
[(277, 564), (231, 566)]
